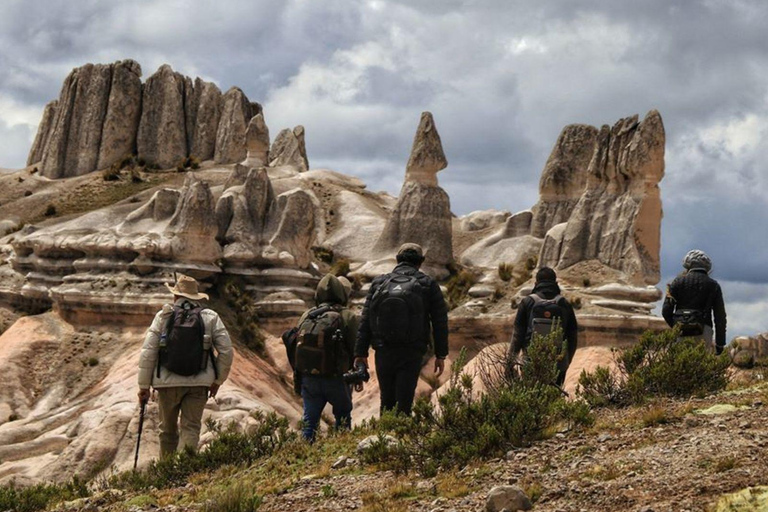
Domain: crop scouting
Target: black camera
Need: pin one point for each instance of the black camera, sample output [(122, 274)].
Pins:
[(357, 375)]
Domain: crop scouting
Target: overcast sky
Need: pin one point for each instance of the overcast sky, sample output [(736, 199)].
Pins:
[(501, 77)]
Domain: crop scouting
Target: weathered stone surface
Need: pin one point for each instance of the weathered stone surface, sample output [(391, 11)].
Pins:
[(498, 248), (257, 142), (423, 211), (289, 149), (236, 113), (296, 230), (564, 177), (241, 214), (193, 225), (162, 136), (160, 207), (121, 123), (617, 220), (43, 133), (747, 350), (204, 103), (427, 156), (483, 219), (73, 144), (553, 245)]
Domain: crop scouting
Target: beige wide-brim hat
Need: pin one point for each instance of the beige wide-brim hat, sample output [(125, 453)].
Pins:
[(186, 287)]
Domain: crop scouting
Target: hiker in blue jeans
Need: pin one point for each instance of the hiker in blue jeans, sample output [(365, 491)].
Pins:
[(324, 341)]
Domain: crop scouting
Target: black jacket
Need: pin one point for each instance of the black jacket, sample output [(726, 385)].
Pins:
[(694, 289), (434, 307), (546, 290)]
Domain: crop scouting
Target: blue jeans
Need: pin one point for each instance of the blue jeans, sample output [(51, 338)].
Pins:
[(318, 391)]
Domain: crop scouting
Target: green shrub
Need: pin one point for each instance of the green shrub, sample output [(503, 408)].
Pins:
[(230, 447), (193, 162), (659, 364), (506, 271), (234, 498), (531, 262), (323, 254), (111, 173), (458, 287), (468, 426), (40, 496), (340, 268)]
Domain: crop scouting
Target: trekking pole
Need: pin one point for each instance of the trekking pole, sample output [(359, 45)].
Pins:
[(138, 440)]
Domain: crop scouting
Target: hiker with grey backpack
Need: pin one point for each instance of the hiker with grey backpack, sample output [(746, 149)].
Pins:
[(186, 356), (540, 313)]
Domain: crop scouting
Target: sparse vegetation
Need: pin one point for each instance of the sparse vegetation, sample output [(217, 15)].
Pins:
[(50, 211), (506, 271), (323, 254), (458, 287), (659, 364), (41, 496), (655, 415), (340, 267), (244, 318), (234, 498)]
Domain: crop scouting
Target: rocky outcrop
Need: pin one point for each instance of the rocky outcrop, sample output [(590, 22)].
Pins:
[(289, 149), (257, 143), (104, 113), (162, 137), (236, 113), (193, 225), (564, 177), (203, 112), (423, 211), (121, 123), (617, 220), (43, 133)]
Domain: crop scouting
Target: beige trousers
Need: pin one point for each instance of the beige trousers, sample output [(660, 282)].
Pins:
[(190, 402)]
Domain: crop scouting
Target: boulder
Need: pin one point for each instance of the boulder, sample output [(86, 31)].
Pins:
[(236, 113), (746, 351), (121, 123), (289, 149), (564, 177), (162, 136), (618, 218), (483, 219), (257, 142), (507, 497), (204, 103), (43, 133), (423, 211)]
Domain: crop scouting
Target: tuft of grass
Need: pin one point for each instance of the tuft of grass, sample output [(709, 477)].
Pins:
[(655, 415), (458, 287), (323, 254), (234, 498), (506, 271), (243, 310), (340, 267)]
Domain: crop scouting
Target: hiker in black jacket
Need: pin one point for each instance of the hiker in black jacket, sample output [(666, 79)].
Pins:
[(401, 310), (546, 288), (696, 293)]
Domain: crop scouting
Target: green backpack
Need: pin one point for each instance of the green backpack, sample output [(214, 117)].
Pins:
[(320, 346)]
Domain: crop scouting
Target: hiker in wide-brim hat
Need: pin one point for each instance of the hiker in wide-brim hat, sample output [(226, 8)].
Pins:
[(186, 356)]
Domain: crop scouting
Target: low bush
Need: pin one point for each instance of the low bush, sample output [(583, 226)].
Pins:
[(659, 364), (242, 316), (111, 173), (40, 496), (234, 498), (268, 434), (323, 254), (506, 271), (340, 267), (467, 425), (458, 286)]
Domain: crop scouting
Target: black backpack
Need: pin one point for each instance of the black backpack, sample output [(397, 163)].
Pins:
[(691, 321), (182, 344), (319, 344), (545, 315), (397, 311)]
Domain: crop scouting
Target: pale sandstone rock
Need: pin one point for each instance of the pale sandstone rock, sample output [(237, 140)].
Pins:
[(618, 219), (43, 133), (552, 246), (423, 211), (204, 103), (289, 149), (257, 142), (507, 497), (747, 350), (483, 219), (193, 225), (236, 113), (121, 123), (160, 207), (297, 228), (497, 248), (162, 136), (564, 177)]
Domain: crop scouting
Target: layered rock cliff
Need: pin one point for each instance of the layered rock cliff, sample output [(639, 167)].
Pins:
[(105, 113)]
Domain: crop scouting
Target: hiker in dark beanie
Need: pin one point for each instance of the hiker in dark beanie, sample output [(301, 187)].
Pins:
[(540, 308), (693, 299), (402, 311)]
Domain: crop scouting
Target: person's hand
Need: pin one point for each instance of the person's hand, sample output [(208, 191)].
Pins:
[(362, 360), (213, 390), (143, 396), (439, 366), (359, 387)]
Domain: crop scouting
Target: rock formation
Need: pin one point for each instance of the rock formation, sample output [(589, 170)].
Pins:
[(289, 149), (162, 137), (257, 143), (230, 138), (423, 211), (43, 133), (104, 113), (617, 220), (564, 177)]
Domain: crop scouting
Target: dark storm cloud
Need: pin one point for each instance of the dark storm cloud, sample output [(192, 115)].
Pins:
[(501, 77)]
